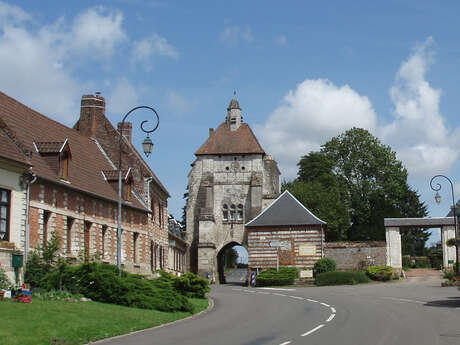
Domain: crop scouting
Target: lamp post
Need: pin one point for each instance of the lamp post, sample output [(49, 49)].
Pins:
[(147, 146), (437, 198)]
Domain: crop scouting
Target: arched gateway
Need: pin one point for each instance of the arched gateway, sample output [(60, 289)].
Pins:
[(393, 237), (231, 181)]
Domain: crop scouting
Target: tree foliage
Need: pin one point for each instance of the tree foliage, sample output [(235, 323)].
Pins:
[(353, 183)]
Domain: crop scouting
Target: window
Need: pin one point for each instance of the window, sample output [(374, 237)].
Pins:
[(64, 165), (69, 235), (225, 212), (232, 212), (128, 190), (240, 212), (86, 240), (5, 201), (135, 237), (46, 220), (103, 232), (161, 257)]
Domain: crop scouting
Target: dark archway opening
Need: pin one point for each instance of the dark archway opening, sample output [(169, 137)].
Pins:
[(232, 264)]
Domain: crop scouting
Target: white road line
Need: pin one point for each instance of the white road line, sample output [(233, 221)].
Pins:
[(297, 297), (264, 293), (333, 309), (311, 331), (404, 300), (330, 318), (279, 289), (237, 289), (249, 291), (312, 300), (326, 305), (285, 343), (278, 294)]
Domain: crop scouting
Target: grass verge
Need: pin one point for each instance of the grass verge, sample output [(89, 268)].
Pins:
[(77, 322)]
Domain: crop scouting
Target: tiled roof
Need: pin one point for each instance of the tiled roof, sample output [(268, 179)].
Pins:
[(87, 160), (9, 150), (112, 175), (285, 211), (49, 146), (223, 141)]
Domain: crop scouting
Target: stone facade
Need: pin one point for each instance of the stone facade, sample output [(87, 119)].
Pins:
[(354, 255), (231, 181)]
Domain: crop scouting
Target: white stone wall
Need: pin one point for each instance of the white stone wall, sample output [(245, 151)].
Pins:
[(393, 239), (448, 253)]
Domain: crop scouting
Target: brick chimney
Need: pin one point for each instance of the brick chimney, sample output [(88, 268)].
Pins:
[(92, 115), (127, 130)]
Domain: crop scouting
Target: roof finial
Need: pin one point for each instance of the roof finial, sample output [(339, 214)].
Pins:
[(234, 93)]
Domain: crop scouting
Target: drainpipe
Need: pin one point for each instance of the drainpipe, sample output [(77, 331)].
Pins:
[(149, 180), (322, 247), (28, 180)]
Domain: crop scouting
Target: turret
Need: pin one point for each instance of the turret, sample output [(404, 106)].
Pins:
[(234, 117)]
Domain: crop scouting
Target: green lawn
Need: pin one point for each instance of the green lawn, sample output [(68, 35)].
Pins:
[(76, 322)]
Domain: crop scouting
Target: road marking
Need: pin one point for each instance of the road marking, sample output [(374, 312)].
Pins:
[(330, 318), (279, 289), (404, 300), (285, 343), (250, 291), (278, 294), (326, 305), (237, 289), (297, 297), (333, 309), (312, 300), (311, 331), (264, 293)]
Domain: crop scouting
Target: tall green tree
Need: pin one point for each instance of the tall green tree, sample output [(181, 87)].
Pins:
[(376, 183), (322, 192)]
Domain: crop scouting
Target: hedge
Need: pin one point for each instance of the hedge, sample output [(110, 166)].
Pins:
[(270, 277), (191, 285), (341, 278), (380, 272), (324, 265)]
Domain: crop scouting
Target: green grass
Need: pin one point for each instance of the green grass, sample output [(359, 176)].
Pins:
[(77, 322)]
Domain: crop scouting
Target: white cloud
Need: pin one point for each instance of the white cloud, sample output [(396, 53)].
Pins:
[(178, 103), (233, 35), (309, 116), (123, 98), (145, 49), (418, 132), (97, 31), (281, 40), (37, 63)]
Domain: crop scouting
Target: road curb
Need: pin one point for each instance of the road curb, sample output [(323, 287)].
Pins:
[(210, 307)]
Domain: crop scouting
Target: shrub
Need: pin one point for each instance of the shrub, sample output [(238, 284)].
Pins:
[(341, 278), (324, 265), (4, 281), (406, 262), (271, 277), (102, 283), (380, 272), (192, 285), (422, 263), (449, 275)]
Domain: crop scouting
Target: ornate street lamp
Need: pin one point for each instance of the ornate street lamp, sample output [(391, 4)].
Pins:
[(147, 146), (437, 198)]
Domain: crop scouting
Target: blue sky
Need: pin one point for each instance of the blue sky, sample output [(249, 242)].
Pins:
[(303, 71)]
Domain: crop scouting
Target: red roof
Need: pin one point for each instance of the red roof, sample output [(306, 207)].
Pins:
[(223, 141), (86, 164)]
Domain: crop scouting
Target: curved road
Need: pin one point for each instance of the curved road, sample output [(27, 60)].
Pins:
[(416, 311)]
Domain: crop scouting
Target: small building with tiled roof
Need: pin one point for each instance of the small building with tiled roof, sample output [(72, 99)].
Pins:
[(286, 233), (231, 181), (75, 187)]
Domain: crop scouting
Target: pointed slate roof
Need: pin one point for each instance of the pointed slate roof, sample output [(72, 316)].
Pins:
[(285, 211), (226, 142), (234, 104)]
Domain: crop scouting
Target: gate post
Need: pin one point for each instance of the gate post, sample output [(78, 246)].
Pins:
[(394, 258), (448, 253)]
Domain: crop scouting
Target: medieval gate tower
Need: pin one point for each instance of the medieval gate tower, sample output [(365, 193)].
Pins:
[(232, 180)]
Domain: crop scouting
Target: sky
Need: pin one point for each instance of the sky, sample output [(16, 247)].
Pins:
[(303, 72)]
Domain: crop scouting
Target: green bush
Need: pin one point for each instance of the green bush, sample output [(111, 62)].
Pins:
[(422, 263), (406, 262), (102, 283), (449, 275), (192, 285), (270, 277), (341, 278), (324, 265), (380, 272), (4, 281)]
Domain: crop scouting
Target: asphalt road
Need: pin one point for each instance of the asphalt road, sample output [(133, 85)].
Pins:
[(415, 311)]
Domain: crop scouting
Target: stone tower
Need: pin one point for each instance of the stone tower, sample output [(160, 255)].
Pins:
[(232, 180)]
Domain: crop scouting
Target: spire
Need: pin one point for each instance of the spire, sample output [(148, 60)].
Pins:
[(234, 118)]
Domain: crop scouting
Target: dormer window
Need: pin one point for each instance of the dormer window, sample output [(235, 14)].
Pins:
[(57, 154), (128, 190), (111, 176), (64, 165)]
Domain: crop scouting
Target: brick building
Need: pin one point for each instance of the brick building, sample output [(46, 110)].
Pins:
[(286, 233), (75, 191)]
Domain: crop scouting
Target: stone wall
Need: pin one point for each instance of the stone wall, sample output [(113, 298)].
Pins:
[(349, 255)]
